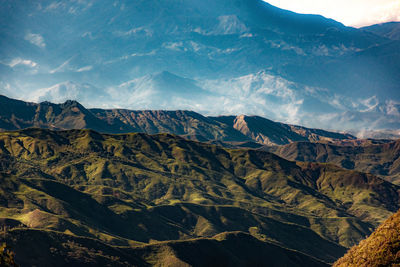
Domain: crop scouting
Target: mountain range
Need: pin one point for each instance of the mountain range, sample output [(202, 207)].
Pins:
[(236, 130), (382, 159), (167, 133), (295, 143), (80, 196), (213, 57)]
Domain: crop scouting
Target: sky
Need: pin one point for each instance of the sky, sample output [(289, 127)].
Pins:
[(355, 13)]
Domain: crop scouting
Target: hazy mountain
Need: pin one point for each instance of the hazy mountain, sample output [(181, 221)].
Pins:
[(389, 30), (379, 159), (379, 249), (62, 92), (122, 194), (233, 56), (233, 130)]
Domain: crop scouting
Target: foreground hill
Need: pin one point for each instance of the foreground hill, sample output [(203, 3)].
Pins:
[(381, 159), (380, 249), (129, 190), (15, 114), (226, 249)]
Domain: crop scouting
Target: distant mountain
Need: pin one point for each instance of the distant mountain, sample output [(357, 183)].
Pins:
[(389, 30), (381, 248), (68, 90), (382, 159), (158, 91), (102, 197), (16, 114), (213, 57)]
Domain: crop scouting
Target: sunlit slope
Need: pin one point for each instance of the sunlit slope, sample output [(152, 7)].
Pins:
[(132, 189), (379, 159), (380, 249)]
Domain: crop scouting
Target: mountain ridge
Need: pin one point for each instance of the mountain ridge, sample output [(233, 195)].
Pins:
[(72, 115), (380, 159), (283, 65)]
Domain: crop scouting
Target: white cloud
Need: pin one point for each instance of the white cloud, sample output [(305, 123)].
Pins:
[(87, 94), (65, 67), (72, 6), (86, 68), (62, 67), (36, 39), (355, 13), (140, 31), (19, 61), (55, 5)]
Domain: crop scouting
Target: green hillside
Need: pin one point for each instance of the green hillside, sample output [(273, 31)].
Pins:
[(127, 191), (382, 159), (382, 248)]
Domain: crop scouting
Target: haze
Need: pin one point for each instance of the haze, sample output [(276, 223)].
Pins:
[(356, 13)]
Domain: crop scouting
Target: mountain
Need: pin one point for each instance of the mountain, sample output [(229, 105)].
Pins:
[(132, 191), (379, 249), (382, 159), (150, 91), (17, 114), (230, 130), (389, 30), (268, 132), (213, 57), (62, 92)]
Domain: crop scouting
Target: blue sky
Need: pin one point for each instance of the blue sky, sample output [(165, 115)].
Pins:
[(356, 13)]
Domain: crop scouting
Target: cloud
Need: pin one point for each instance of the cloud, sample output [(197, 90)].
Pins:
[(356, 13), (35, 39), (65, 67), (72, 7), (86, 68), (85, 93), (62, 66), (24, 62), (140, 31)]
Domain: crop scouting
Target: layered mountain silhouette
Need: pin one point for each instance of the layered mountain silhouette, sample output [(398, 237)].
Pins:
[(233, 56), (237, 130), (84, 196)]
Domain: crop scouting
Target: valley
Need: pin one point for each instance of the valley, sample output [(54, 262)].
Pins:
[(133, 191)]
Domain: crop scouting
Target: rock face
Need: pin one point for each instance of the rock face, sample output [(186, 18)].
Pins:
[(381, 248), (15, 114)]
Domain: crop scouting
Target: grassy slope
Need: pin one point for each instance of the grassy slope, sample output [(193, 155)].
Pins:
[(378, 159), (226, 249), (382, 248), (125, 190)]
